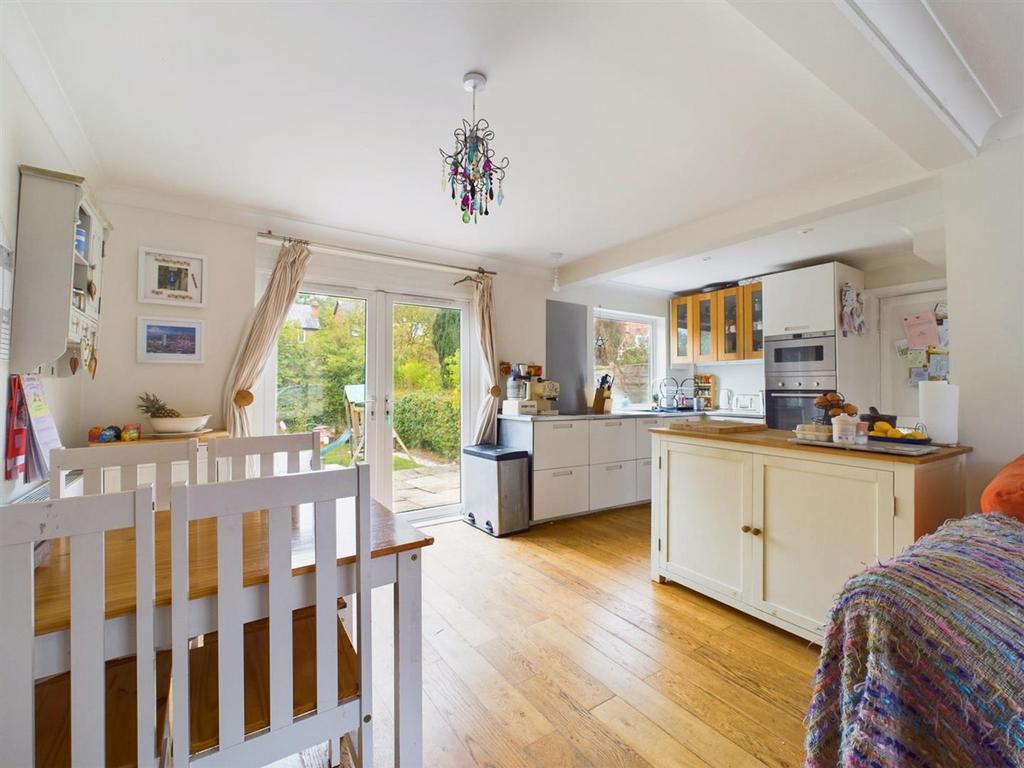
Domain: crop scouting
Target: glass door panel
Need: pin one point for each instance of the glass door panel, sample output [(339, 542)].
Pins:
[(707, 327), (682, 315), (424, 406), (729, 324), (321, 375), (753, 310)]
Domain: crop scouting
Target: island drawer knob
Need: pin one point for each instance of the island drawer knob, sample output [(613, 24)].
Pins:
[(745, 529), (756, 531)]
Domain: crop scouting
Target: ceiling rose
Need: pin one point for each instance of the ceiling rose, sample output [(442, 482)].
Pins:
[(471, 172)]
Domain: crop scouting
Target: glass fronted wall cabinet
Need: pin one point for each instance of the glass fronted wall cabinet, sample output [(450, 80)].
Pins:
[(753, 322), (727, 324), (682, 329)]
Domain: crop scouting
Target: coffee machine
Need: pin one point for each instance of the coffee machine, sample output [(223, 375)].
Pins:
[(544, 392), (517, 391)]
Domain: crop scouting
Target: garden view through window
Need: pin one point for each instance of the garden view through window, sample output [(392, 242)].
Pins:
[(322, 384), (623, 348)]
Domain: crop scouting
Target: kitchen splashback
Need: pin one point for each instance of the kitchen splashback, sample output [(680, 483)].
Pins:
[(565, 354)]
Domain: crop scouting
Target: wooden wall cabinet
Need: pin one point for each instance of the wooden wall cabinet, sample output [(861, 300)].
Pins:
[(706, 320), (753, 321), (683, 334)]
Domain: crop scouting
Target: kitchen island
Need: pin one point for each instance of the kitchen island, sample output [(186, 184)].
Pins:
[(774, 529)]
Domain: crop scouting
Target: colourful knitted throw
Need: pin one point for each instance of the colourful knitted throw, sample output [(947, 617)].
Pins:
[(923, 660)]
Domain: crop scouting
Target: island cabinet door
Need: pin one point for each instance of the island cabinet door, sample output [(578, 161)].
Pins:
[(815, 525), (705, 504)]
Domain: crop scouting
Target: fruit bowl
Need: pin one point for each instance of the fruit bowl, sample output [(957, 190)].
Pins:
[(903, 440), (178, 423)]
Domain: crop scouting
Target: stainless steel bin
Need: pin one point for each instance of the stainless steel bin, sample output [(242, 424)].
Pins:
[(497, 489)]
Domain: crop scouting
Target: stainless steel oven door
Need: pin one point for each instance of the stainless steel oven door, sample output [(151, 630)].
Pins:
[(786, 410), (806, 354)]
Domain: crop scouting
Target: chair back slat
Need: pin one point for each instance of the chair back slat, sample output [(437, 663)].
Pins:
[(227, 502), (364, 640), (85, 521), (241, 454), (127, 458), (88, 674), (325, 533), (145, 649), (231, 673), (17, 642), (280, 611)]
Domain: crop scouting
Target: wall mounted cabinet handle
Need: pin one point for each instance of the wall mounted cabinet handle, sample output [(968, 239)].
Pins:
[(566, 473), (745, 529), (756, 531)]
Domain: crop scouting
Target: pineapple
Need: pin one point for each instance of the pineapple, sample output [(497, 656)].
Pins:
[(154, 407)]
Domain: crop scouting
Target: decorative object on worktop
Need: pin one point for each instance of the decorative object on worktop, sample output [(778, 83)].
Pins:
[(703, 391), (470, 171), (603, 395), (169, 340), (166, 420), (172, 277), (833, 404)]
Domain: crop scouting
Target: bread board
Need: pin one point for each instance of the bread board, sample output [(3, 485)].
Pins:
[(709, 427)]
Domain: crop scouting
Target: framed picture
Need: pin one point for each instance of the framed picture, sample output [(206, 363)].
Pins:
[(172, 277), (167, 340)]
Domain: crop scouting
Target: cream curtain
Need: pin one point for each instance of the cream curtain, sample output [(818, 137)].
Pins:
[(261, 335), (483, 308)]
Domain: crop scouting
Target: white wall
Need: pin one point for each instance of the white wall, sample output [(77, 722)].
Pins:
[(984, 204), (25, 139)]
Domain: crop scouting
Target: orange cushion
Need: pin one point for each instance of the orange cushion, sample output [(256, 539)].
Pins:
[(1006, 491)]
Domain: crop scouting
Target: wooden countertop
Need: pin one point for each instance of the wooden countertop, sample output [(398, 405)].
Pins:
[(150, 440), (389, 535), (779, 439)]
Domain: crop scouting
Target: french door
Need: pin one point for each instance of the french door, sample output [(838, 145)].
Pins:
[(382, 375)]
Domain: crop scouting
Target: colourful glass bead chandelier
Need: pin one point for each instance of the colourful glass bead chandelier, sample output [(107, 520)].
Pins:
[(471, 171)]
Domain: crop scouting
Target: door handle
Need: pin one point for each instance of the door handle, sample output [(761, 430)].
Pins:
[(613, 423), (566, 473), (562, 426), (756, 531), (612, 466), (745, 529)]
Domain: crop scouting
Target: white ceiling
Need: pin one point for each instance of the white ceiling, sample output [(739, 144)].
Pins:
[(990, 38), (619, 119), (869, 238)]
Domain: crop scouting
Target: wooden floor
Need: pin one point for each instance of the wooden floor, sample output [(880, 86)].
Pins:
[(553, 648)]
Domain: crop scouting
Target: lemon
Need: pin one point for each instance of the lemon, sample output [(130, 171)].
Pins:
[(876, 433), (881, 426), (917, 436)]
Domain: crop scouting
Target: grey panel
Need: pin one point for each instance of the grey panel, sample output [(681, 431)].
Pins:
[(566, 354)]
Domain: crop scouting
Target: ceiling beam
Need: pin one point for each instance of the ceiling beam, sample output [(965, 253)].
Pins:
[(847, 50), (793, 208)]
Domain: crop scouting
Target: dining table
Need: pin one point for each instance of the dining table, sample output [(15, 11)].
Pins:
[(396, 552)]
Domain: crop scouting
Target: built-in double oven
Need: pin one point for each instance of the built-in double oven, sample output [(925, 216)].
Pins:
[(797, 368)]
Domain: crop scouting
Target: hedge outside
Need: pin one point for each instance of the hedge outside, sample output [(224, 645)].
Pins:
[(430, 420)]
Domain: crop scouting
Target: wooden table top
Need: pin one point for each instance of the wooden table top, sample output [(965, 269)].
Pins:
[(150, 439), (389, 535), (779, 438)]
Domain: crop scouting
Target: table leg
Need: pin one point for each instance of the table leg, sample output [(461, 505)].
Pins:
[(408, 662)]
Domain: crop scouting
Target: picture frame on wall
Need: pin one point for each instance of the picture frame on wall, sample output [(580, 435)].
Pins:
[(169, 340), (172, 277)]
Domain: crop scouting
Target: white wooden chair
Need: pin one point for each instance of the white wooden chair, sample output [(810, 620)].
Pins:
[(289, 681), (239, 450), (116, 708), (133, 460)]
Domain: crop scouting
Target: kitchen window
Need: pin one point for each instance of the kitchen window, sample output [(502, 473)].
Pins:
[(628, 347)]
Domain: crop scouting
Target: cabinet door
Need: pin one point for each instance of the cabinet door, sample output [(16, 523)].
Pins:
[(706, 316), (643, 437), (612, 440), (612, 484), (682, 317), (643, 479), (560, 492), (753, 322), (729, 308), (815, 525), (561, 444), (800, 301), (705, 500)]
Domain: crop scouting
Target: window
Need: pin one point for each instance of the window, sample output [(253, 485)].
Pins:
[(627, 347)]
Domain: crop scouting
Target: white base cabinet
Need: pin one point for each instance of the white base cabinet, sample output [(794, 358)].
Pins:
[(612, 484), (776, 533), (560, 492)]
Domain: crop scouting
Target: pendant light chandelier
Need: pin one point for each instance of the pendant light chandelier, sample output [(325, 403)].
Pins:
[(471, 172)]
